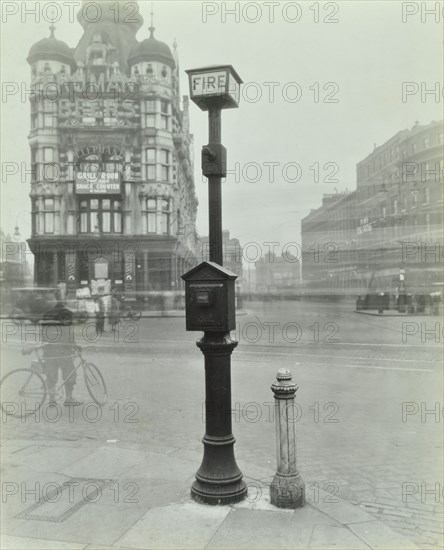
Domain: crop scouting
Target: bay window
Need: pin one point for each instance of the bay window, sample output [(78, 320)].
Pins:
[(157, 215)]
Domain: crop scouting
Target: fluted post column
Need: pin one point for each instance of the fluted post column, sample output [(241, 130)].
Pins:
[(287, 489)]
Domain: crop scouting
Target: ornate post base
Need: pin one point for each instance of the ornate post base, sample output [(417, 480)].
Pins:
[(218, 480), (287, 491)]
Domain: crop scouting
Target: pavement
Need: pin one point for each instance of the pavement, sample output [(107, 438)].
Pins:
[(77, 495), (356, 451)]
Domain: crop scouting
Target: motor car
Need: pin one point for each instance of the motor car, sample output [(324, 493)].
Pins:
[(31, 303)]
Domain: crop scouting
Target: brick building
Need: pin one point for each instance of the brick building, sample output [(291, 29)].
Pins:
[(393, 221), (328, 245)]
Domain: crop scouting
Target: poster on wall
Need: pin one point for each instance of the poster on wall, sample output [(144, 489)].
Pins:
[(101, 270)]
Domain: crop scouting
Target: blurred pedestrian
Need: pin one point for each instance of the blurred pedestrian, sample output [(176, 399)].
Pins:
[(114, 316), (58, 336)]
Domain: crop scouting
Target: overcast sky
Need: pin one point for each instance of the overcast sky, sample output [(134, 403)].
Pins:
[(359, 62)]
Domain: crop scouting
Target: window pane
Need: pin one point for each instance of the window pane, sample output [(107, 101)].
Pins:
[(49, 222), (164, 106), (48, 121), (165, 205), (94, 204), (106, 222), (94, 222), (117, 222), (150, 121), (48, 154), (150, 105), (106, 204), (49, 204), (83, 222), (163, 122), (164, 223), (151, 204), (163, 156), (151, 172), (151, 155), (83, 205), (165, 173), (151, 222)]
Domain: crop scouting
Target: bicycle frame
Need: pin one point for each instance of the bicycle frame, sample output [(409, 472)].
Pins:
[(42, 362)]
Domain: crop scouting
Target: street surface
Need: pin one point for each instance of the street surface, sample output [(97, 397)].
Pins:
[(368, 414)]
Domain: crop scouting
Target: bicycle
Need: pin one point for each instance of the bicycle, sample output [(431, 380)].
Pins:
[(24, 391), (126, 313)]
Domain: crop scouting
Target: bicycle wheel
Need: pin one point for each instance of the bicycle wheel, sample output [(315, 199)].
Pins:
[(23, 392), (95, 384), (132, 315), (136, 315)]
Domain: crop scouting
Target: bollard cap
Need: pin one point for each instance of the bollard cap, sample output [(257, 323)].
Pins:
[(283, 374), (284, 387)]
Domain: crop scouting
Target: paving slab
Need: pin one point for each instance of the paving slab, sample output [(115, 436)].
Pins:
[(168, 467), (255, 472), (22, 543), (329, 536), (336, 508), (258, 529), (380, 537), (105, 462), (49, 458), (94, 523), (186, 526), (128, 492)]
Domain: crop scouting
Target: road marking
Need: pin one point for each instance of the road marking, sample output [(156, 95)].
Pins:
[(341, 365), (296, 354)]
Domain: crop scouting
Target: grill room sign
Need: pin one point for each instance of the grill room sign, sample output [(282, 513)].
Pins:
[(97, 183)]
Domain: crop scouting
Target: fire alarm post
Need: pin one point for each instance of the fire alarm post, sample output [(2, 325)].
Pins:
[(210, 300)]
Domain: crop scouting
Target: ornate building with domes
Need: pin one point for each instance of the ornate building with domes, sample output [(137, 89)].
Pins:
[(112, 191)]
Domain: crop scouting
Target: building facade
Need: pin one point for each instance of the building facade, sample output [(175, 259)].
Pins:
[(400, 210), (231, 253), (389, 229), (328, 246), (278, 276), (112, 190)]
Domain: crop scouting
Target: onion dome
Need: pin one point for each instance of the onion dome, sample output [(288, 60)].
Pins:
[(110, 12), (151, 49), (52, 49)]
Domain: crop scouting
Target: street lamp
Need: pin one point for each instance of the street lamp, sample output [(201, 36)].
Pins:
[(16, 236), (210, 300)]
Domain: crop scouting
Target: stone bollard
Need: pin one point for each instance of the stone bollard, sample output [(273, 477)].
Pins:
[(287, 489)]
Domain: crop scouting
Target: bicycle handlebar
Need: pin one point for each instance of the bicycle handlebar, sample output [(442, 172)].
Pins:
[(76, 347)]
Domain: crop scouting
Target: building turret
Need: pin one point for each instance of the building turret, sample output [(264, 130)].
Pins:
[(51, 55), (152, 58), (111, 26)]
